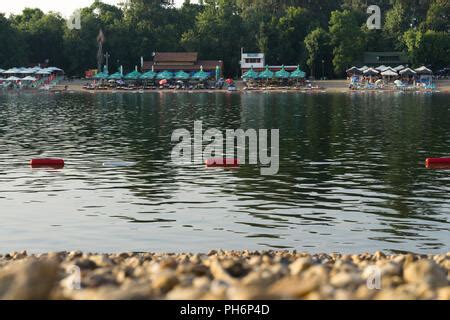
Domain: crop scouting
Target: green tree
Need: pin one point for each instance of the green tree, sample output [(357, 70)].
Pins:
[(430, 48), (217, 33), (317, 43), (347, 38)]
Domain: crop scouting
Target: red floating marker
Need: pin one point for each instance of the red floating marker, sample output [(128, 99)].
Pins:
[(434, 161), (47, 162), (222, 163)]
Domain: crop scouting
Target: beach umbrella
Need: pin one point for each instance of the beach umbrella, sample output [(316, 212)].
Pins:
[(11, 71), (217, 73), (29, 78), (407, 72), (282, 74), (354, 71), (362, 69), (150, 75), (201, 75), (164, 75), (250, 74), (13, 79), (134, 75), (100, 76), (2, 70), (370, 72), (115, 76), (298, 73), (181, 75), (399, 68), (266, 74), (381, 68), (42, 72), (423, 70), (389, 73)]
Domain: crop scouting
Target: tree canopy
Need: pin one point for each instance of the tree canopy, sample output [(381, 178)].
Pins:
[(324, 36)]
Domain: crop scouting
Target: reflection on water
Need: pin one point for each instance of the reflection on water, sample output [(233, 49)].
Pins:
[(351, 177)]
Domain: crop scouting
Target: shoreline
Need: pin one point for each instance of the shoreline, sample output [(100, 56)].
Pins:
[(324, 86), (224, 275)]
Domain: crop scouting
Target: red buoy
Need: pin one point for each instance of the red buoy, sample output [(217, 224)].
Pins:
[(47, 162), (434, 161), (222, 163)]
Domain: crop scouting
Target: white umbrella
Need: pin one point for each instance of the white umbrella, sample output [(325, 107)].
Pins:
[(43, 72), (400, 67), (423, 70), (381, 68), (398, 83), (363, 68), (389, 73), (1, 70), (11, 71), (370, 72), (407, 71), (13, 79), (29, 78)]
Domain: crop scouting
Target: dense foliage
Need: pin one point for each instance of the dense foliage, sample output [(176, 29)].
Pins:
[(323, 36)]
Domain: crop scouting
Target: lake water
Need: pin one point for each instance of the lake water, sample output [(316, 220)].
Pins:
[(351, 179)]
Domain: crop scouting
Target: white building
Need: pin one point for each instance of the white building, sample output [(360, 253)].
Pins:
[(257, 61)]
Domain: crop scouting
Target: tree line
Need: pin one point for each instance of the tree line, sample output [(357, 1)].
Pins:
[(322, 36)]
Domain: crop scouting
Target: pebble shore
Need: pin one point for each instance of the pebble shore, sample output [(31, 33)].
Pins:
[(224, 275)]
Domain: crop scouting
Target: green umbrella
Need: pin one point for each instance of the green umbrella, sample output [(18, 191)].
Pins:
[(101, 75), (266, 74), (217, 73), (135, 75), (298, 73), (201, 75), (250, 74), (164, 75), (282, 74), (181, 75), (150, 75), (115, 76)]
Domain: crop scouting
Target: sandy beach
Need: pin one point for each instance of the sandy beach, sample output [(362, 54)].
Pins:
[(332, 86), (224, 275)]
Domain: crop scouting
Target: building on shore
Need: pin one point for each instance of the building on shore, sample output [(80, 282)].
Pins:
[(181, 61), (372, 58), (257, 62)]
